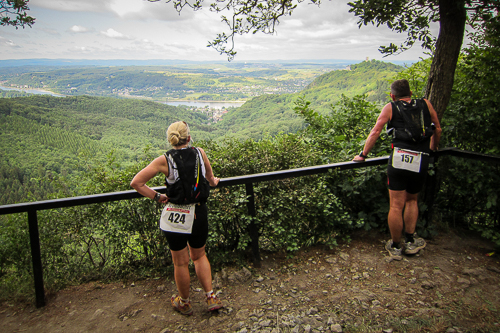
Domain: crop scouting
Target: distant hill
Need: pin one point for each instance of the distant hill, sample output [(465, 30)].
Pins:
[(89, 62), (371, 78), (163, 62), (188, 81), (271, 114)]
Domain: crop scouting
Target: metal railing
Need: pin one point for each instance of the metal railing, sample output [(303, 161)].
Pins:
[(248, 180)]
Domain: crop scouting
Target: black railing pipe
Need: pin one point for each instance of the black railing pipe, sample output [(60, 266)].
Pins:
[(32, 207)]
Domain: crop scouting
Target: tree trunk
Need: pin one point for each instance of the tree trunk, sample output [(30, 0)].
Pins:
[(452, 15)]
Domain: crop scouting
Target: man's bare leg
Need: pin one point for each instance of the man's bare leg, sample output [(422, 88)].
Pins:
[(395, 217)]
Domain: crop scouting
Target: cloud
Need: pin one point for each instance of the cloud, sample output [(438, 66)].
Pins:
[(8, 42), (112, 33), (72, 5), (78, 29), (126, 9), (81, 50), (143, 29)]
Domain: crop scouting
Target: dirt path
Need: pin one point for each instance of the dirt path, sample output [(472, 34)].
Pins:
[(452, 286)]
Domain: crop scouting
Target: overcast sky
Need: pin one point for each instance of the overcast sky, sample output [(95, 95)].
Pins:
[(138, 29)]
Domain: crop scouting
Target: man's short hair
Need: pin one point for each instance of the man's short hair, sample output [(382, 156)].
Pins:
[(400, 88)]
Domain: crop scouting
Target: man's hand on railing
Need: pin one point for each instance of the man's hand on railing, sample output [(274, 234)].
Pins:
[(360, 158)]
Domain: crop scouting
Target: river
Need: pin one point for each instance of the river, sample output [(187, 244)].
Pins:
[(201, 104), (198, 104), (32, 91)]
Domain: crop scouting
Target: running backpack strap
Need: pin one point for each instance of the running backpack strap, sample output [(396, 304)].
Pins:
[(172, 164), (413, 116)]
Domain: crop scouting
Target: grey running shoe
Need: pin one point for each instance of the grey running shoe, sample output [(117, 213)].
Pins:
[(394, 253), (415, 246)]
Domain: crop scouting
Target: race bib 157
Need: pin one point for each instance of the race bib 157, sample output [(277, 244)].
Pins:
[(406, 160)]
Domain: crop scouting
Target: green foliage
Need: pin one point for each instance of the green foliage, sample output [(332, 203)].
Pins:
[(416, 75), (341, 134), (14, 13), (13, 93), (371, 78), (16, 272), (285, 209), (338, 137), (100, 241), (412, 17), (469, 188)]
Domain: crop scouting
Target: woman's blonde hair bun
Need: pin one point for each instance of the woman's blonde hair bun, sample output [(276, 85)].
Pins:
[(178, 133)]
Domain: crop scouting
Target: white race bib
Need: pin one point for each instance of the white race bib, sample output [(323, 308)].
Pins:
[(177, 218), (406, 160)]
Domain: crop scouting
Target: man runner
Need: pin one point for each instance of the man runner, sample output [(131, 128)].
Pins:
[(415, 129)]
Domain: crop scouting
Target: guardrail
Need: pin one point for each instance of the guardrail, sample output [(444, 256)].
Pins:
[(248, 180)]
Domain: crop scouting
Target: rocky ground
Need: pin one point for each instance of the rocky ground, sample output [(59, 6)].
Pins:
[(451, 286)]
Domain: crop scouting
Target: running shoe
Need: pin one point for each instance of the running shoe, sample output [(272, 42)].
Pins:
[(185, 309), (214, 303), (393, 252), (415, 246)]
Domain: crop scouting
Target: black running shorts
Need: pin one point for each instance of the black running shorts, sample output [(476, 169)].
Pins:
[(403, 180), (197, 238)]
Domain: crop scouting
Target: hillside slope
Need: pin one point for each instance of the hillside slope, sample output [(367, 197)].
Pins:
[(271, 114), (43, 136)]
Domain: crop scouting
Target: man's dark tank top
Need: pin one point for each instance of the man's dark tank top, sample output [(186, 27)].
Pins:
[(414, 111)]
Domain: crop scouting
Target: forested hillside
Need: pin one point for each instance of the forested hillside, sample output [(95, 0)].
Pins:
[(272, 114), (370, 78), (43, 136)]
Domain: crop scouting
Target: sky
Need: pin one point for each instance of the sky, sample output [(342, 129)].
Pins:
[(143, 30)]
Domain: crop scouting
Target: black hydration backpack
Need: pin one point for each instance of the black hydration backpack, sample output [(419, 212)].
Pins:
[(415, 129), (191, 187)]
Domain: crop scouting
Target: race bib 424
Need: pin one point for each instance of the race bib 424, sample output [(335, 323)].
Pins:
[(177, 218)]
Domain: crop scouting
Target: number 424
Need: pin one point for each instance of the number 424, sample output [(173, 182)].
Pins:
[(177, 218)]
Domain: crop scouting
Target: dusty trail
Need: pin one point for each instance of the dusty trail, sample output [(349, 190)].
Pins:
[(452, 286)]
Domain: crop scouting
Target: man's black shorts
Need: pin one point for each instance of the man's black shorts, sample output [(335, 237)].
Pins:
[(197, 238), (404, 180)]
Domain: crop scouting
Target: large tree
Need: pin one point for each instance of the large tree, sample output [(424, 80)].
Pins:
[(13, 13), (412, 17)]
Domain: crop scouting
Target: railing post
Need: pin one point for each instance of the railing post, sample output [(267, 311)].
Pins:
[(254, 230), (36, 258), (430, 194)]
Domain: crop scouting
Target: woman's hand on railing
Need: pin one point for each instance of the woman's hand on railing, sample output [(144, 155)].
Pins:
[(214, 181)]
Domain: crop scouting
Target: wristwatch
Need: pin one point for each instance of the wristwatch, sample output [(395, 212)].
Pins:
[(157, 197), (361, 155)]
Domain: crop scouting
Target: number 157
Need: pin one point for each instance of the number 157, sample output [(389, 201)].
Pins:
[(406, 158)]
